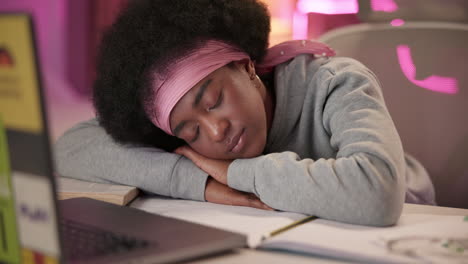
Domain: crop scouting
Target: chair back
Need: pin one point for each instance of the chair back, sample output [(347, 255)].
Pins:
[(423, 69)]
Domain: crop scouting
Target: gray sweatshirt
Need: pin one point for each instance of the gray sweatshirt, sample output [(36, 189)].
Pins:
[(332, 151)]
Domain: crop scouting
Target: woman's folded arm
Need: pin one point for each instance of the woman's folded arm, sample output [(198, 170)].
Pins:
[(88, 153), (363, 184)]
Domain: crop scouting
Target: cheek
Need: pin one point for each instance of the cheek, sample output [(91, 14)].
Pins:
[(252, 110), (206, 149), (244, 103)]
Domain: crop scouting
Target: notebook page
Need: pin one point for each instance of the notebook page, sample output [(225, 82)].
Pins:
[(417, 238), (252, 222)]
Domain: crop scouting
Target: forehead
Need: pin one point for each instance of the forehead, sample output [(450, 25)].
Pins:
[(207, 83), (214, 77)]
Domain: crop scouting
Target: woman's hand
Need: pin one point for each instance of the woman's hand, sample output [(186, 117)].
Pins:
[(215, 168), (216, 192)]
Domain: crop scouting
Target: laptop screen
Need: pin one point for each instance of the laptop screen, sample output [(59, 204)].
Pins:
[(28, 229)]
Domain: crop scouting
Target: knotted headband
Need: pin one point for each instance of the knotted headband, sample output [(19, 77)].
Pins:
[(186, 72)]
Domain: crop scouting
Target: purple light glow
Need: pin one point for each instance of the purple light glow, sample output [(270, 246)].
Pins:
[(397, 22), (387, 6), (300, 25), (434, 83), (331, 7)]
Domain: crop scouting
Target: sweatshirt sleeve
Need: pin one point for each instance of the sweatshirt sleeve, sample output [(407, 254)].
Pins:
[(87, 152), (364, 184)]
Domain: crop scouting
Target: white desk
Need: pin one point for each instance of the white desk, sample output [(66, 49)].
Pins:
[(245, 256)]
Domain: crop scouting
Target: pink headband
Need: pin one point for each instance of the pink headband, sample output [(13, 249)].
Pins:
[(188, 71)]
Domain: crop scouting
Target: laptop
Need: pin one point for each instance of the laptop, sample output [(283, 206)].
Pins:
[(34, 226)]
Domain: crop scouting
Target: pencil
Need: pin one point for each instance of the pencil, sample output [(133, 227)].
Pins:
[(285, 228)]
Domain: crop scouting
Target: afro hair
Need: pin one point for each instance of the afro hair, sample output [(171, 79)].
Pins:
[(146, 37)]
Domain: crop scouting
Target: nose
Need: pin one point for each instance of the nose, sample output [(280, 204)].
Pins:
[(216, 127)]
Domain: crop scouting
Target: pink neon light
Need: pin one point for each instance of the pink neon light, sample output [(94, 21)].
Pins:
[(397, 22), (300, 25), (387, 6), (330, 7), (434, 82)]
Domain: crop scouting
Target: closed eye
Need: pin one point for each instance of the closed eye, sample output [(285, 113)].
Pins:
[(218, 102), (197, 134)]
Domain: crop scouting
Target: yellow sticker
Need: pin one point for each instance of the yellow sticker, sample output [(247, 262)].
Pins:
[(32, 257), (28, 256), (50, 260), (19, 85)]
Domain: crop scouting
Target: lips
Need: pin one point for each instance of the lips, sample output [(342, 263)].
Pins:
[(237, 142)]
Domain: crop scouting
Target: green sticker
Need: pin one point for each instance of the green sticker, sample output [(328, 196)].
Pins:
[(9, 244), (466, 218)]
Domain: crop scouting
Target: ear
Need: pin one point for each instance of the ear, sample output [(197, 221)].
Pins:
[(246, 65)]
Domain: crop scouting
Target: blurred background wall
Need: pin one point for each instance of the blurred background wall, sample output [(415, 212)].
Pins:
[(69, 32)]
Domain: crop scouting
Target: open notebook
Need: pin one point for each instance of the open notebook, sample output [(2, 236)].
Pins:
[(416, 238)]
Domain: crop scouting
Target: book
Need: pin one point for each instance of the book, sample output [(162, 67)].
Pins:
[(117, 194), (416, 238)]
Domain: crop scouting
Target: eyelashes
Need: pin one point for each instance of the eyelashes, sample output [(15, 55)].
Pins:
[(216, 105), (197, 134), (218, 102)]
